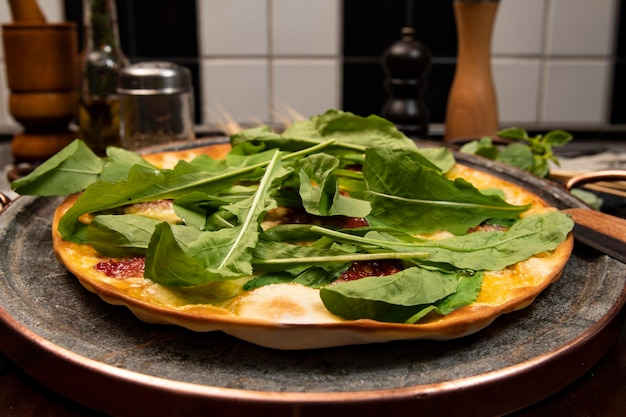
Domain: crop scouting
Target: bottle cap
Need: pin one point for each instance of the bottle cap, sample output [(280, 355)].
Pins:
[(154, 77)]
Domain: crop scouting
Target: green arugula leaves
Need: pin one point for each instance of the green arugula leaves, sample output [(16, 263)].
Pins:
[(409, 193), (70, 171), (529, 153), (404, 297), (401, 191)]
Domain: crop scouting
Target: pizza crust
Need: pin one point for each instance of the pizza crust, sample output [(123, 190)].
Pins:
[(291, 316)]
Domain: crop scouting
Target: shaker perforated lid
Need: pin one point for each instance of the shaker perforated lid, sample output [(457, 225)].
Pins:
[(154, 77)]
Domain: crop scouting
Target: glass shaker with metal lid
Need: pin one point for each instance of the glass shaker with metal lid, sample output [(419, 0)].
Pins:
[(156, 104)]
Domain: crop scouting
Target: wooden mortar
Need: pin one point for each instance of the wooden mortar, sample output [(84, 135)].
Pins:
[(41, 64)]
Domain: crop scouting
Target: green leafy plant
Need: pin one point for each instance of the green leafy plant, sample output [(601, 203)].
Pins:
[(530, 153)]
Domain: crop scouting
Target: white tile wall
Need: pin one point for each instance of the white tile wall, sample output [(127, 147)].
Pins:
[(517, 83), (552, 61), (581, 27), (305, 27), (260, 58), (519, 28), (576, 91), (233, 28), (300, 40), (236, 89), (296, 82)]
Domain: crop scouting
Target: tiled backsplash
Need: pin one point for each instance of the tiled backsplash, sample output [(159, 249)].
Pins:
[(553, 60), (256, 60), (260, 58)]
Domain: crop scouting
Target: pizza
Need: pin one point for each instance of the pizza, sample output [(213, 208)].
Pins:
[(320, 240)]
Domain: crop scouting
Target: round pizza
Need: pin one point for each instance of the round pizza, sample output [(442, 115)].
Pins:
[(337, 231)]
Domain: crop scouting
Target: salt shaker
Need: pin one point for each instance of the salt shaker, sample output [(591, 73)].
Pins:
[(156, 104)]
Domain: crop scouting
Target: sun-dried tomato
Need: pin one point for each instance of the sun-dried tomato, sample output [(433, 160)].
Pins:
[(122, 268), (362, 269)]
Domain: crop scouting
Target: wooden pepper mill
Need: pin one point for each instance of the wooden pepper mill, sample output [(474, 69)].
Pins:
[(472, 109), (406, 63)]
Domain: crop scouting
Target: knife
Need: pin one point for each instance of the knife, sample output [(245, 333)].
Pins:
[(600, 231)]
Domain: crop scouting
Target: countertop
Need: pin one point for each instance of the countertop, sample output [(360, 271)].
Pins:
[(599, 392)]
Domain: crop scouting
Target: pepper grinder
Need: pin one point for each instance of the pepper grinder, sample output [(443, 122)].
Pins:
[(472, 106), (406, 64)]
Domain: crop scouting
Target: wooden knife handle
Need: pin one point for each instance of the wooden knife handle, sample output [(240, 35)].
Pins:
[(604, 223)]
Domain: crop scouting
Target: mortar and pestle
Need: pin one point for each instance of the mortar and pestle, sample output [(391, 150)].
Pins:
[(41, 62)]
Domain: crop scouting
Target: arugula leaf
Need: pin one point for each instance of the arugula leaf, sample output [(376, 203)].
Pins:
[(169, 263), (271, 278), (205, 211), (212, 255), (531, 154), (119, 163), (345, 127), (495, 250), (517, 155), (70, 171), (482, 147), (276, 256), (396, 297), (441, 157), (422, 200), (121, 235), (466, 293), (289, 233), (261, 136), (319, 189), (313, 277), (351, 134), (144, 184), (196, 207), (491, 251)]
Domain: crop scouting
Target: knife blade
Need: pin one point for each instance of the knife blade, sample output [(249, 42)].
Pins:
[(600, 231)]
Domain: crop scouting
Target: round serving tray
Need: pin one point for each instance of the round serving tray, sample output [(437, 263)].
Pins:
[(102, 356)]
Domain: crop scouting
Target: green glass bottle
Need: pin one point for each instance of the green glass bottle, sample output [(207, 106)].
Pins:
[(102, 60)]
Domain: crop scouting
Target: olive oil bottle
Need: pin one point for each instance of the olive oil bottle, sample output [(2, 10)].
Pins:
[(102, 61)]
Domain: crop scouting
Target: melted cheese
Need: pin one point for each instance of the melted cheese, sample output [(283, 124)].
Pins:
[(284, 304), (159, 210)]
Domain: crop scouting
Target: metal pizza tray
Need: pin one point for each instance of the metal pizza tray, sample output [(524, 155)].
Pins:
[(102, 356)]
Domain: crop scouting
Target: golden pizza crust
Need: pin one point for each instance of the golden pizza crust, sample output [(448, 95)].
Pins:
[(291, 316), (169, 159)]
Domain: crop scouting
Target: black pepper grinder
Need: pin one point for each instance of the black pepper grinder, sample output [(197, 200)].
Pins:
[(103, 59), (406, 64)]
